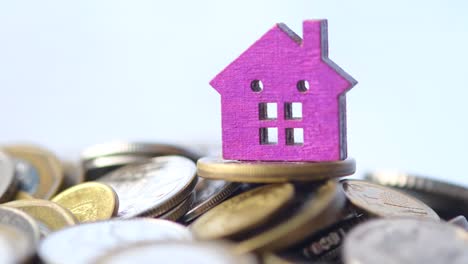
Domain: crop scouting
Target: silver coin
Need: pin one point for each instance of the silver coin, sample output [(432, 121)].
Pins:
[(176, 252), (459, 221), (409, 241), (7, 178), (208, 194), (153, 188), (181, 209), (15, 246), (136, 149), (84, 243), (21, 221)]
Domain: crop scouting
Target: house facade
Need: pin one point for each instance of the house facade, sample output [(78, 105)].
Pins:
[(283, 99)]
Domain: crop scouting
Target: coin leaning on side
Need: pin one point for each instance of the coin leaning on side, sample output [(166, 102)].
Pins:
[(8, 183), (243, 212), (406, 240), (381, 201), (208, 194), (89, 201), (88, 241), (152, 188), (177, 212), (273, 172), (15, 245), (447, 199), (314, 210)]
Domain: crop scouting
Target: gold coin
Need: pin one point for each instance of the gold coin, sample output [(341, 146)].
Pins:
[(89, 201), (22, 195), (378, 200), (271, 172), (243, 212), (317, 209), (38, 170), (52, 215)]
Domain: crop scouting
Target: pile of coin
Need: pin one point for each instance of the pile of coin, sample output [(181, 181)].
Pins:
[(133, 202)]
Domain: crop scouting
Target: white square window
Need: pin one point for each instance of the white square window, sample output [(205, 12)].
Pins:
[(268, 135), (295, 136), (268, 111), (293, 111)]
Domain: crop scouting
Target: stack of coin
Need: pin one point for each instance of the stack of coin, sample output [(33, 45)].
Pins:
[(145, 202)]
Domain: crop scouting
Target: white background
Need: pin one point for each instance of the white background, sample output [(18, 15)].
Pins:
[(75, 73)]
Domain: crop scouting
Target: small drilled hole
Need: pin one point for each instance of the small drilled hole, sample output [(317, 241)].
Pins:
[(268, 111), (294, 136), (293, 111), (303, 86), (268, 135), (256, 86)]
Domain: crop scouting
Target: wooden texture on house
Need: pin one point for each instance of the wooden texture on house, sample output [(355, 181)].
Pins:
[(283, 99)]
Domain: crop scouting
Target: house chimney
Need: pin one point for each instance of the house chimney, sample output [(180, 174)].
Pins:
[(315, 39)]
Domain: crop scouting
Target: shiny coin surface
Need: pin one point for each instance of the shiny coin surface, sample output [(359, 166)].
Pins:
[(136, 149), (84, 243), (460, 221), (409, 241), (243, 212), (89, 201), (153, 188), (208, 194), (7, 178), (377, 200), (39, 172), (176, 252), (447, 199), (177, 212), (21, 221), (50, 214), (15, 245), (312, 210), (271, 172)]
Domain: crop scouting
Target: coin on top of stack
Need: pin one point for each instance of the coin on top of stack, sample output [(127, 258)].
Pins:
[(101, 159), (8, 183), (89, 201), (153, 188), (87, 242), (38, 171), (377, 200), (271, 171), (447, 199)]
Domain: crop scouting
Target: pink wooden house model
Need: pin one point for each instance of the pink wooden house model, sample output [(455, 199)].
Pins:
[(283, 99)]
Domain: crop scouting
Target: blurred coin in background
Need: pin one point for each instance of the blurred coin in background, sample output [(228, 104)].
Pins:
[(8, 183), (406, 240), (86, 242), (38, 171)]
